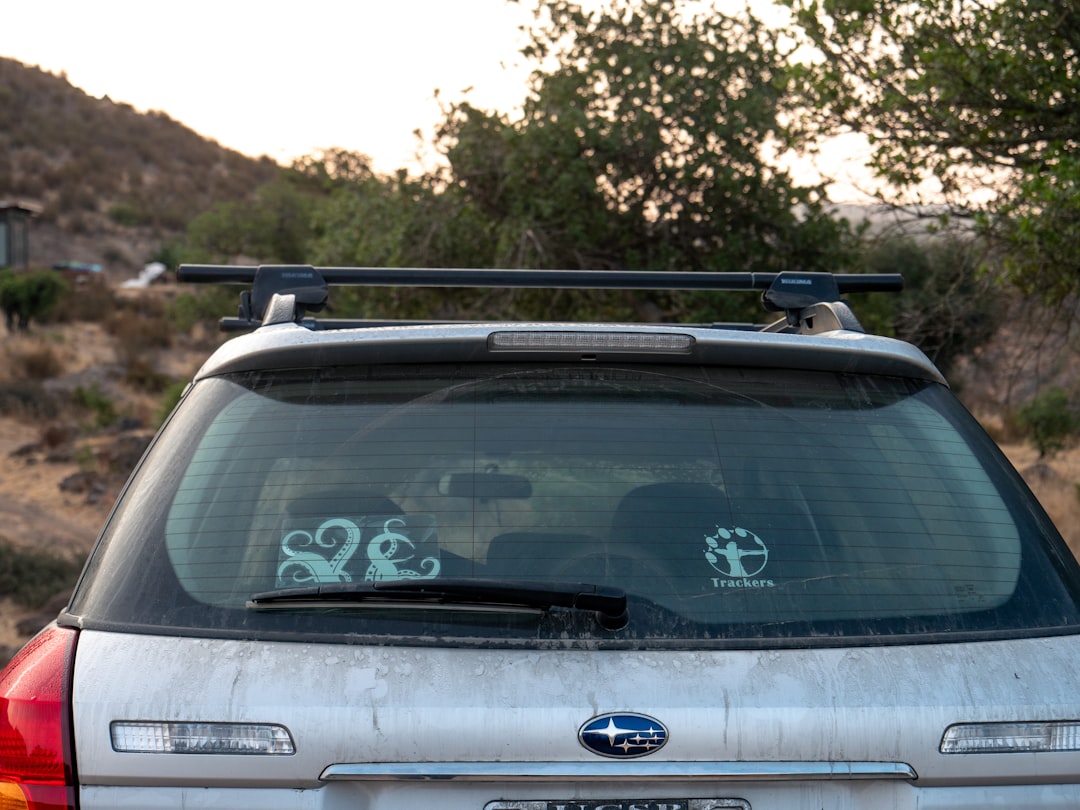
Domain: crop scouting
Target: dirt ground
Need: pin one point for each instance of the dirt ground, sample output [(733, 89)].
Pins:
[(34, 510)]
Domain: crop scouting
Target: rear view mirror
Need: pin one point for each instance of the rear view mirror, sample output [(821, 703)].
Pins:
[(484, 486)]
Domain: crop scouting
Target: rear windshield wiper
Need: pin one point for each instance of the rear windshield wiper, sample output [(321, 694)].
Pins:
[(608, 603)]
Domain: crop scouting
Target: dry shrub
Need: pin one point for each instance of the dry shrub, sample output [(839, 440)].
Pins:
[(1062, 503), (37, 363), (1003, 426), (27, 399), (140, 330), (30, 576), (140, 326), (140, 371), (1056, 483), (90, 302), (56, 434)]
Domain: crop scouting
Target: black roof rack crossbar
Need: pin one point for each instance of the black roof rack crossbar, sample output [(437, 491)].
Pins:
[(285, 293), (539, 279)]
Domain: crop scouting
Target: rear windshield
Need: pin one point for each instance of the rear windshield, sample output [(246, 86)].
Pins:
[(731, 506)]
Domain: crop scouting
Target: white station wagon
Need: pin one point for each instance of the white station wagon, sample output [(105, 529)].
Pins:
[(554, 566)]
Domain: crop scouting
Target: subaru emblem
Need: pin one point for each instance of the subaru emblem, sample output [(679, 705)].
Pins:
[(623, 735)]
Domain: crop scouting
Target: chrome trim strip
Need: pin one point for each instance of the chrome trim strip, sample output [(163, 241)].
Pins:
[(690, 804), (609, 770)]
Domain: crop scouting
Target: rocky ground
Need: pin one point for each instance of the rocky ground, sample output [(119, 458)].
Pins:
[(36, 511), (58, 478)]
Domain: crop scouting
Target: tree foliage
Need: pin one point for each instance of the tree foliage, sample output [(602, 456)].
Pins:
[(978, 96), (1050, 421), (643, 144), (28, 296), (274, 227), (947, 307), (369, 219), (397, 221)]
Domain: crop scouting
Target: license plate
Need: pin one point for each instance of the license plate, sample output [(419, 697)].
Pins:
[(623, 804)]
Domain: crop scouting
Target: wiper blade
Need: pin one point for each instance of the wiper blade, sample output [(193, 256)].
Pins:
[(608, 603)]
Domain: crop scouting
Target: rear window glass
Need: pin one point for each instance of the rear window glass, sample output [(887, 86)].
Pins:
[(731, 506)]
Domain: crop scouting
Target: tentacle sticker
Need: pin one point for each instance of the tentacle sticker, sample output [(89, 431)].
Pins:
[(390, 551), (396, 547), (306, 561)]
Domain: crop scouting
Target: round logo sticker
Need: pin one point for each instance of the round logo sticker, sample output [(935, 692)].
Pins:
[(736, 553)]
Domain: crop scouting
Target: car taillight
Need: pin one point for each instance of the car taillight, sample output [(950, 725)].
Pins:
[(37, 763)]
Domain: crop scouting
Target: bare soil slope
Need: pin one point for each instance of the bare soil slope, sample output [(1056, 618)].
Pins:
[(59, 476)]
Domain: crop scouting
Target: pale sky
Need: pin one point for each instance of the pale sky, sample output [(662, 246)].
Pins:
[(286, 80), (282, 79)]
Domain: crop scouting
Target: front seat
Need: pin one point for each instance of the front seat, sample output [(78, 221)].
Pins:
[(658, 541)]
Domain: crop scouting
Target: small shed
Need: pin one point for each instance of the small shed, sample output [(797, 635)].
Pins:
[(15, 234)]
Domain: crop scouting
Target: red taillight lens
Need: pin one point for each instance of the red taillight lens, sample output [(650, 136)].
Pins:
[(37, 765)]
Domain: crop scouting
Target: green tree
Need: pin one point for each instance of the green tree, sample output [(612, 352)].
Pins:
[(28, 296), (274, 227), (947, 308), (368, 219), (977, 96), (397, 221), (1050, 421), (643, 144)]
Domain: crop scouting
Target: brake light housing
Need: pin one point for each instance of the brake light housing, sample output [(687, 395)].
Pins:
[(37, 761)]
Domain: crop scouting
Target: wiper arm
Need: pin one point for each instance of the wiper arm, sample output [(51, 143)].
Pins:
[(608, 603)]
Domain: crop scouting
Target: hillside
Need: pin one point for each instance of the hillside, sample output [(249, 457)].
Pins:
[(80, 398), (112, 184)]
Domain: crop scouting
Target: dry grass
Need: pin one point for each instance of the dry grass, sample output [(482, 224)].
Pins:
[(1064, 508), (1056, 483), (35, 363)]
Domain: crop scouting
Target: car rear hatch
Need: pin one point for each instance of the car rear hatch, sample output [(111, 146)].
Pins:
[(392, 727), (339, 579)]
